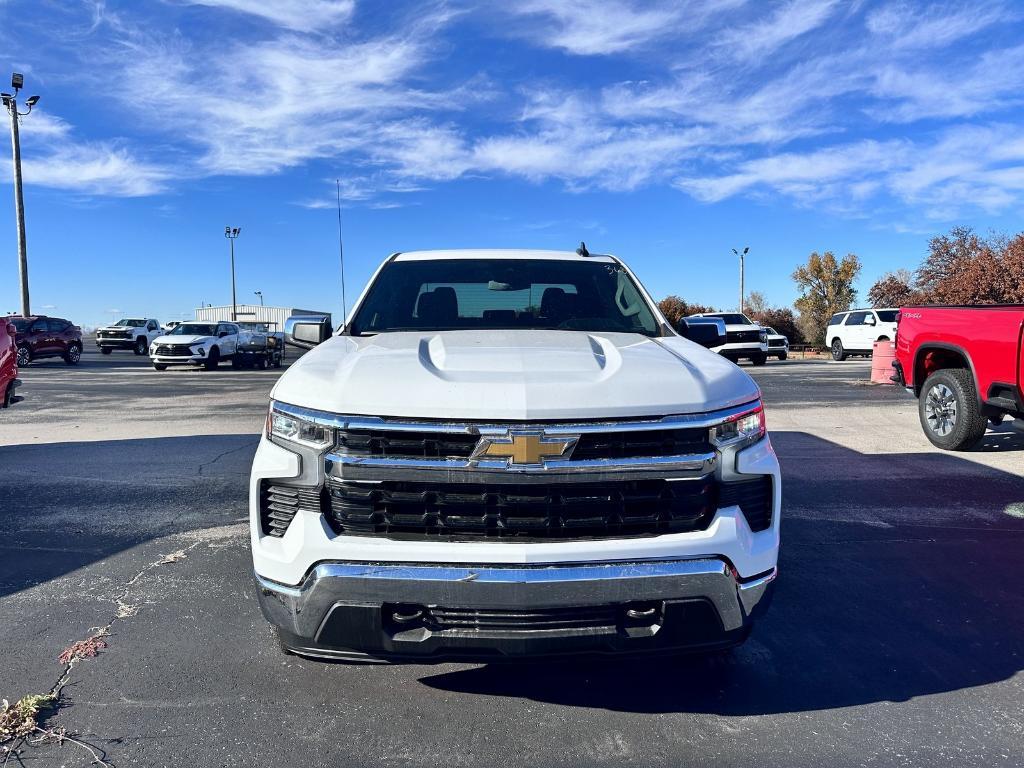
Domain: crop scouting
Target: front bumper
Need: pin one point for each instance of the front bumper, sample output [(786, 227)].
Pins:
[(379, 611), (178, 359), (741, 349), (115, 343)]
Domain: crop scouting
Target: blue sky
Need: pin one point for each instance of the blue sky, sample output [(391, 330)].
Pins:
[(667, 133)]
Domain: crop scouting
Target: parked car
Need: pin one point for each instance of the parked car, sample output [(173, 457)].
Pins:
[(195, 343), (855, 332), (8, 362), (259, 345), (39, 337), (744, 337), (966, 367), (778, 345), (510, 453), (130, 333)]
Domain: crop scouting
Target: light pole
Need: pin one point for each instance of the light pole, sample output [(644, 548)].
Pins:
[(231, 234), (11, 102), (260, 294), (741, 254)]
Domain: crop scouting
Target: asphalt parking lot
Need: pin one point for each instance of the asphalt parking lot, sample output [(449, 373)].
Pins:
[(896, 636)]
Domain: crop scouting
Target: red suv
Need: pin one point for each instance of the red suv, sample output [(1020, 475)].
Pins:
[(8, 363), (40, 336)]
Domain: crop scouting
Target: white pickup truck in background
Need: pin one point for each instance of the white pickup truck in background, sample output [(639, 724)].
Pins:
[(511, 453), (129, 333)]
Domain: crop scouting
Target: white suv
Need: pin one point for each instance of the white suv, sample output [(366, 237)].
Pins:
[(856, 331), (195, 343), (508, 453)]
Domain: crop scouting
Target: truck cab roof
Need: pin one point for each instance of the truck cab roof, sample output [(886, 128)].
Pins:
[(500, 253)]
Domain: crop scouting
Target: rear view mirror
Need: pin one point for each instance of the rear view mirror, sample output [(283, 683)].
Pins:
[(307, 331), (706, 331)]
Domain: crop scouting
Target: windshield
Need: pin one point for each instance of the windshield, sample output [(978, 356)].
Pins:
[(887, 315), (20, 324), (258, 327), (732, 319), (504, 294), (131, 323), (194, 329)]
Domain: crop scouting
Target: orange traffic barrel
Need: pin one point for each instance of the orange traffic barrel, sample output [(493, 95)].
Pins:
[(882, 355)]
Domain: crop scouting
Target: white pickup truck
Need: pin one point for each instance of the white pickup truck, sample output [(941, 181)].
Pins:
[(511, 453), (743, 337), (132, 333)]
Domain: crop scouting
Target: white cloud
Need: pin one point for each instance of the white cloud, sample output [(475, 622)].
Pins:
[(788, 21), (599, 27), (906, 26), (99, 168), (301, 15)]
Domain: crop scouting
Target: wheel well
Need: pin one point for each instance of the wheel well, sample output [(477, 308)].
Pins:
[(882, 338), (930, 360)]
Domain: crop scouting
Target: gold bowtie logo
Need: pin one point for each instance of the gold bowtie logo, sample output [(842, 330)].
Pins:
[(525, 449)]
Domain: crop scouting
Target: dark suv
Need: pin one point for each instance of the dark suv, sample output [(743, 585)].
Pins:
[(40, 336)]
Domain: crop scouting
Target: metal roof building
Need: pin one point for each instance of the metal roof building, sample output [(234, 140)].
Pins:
[(254, 313)]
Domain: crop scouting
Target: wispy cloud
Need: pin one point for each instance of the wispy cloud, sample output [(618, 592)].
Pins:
[(601, 27), (302, 15), (787, 22)]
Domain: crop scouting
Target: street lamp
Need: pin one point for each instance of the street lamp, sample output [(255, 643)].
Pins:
[(231, 234), (10, 100), (260, 294), (741, 255)]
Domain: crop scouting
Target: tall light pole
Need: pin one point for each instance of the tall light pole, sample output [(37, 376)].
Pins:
[(231, 234), (742, 254), (260, 294), (10, 101)]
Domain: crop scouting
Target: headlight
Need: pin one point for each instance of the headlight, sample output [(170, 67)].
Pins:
[(740, 431), (763, 336), (293, 429)]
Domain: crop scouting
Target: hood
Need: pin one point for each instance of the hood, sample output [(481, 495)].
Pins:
[(181, 339), (117, 328), (513, 376)]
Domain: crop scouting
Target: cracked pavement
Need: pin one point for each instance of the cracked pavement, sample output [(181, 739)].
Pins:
[(896, 636)]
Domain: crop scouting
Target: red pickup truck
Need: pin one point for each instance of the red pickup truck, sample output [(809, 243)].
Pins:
[(966, 367)]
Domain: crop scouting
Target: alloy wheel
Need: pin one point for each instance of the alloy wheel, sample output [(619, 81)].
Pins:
[(23, 356), (941, 410)]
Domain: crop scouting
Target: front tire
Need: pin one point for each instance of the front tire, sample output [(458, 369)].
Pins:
[(213, 360), (105, 350), (73, 355), (783, 355), (24, 356), (8, 395), (759, 359), (160, 366), (949, 410), (838, 353), (141, 345)]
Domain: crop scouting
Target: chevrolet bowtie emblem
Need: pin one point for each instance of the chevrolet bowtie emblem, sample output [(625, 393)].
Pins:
[(525, 448)]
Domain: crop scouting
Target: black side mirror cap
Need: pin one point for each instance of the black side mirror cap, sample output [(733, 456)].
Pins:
[(306, 331), (706, 331)]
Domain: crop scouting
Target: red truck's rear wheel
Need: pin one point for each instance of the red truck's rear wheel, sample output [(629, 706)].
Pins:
[(950, 410)]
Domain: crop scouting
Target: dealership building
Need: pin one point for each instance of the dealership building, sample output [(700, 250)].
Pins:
[(254, 313)]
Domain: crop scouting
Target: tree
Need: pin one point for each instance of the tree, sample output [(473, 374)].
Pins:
[(894, 289), (952, 267), (675, 308), (782, 320), (826, 287), (755, 303)]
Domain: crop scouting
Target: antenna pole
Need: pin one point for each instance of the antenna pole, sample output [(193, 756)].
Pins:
[(341, 257)]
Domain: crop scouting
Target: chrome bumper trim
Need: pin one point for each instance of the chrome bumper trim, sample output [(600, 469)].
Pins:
[(300, 609)]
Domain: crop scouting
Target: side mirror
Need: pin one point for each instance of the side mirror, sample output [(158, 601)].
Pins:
[(222, 334), (706, 331), (307, 331)]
